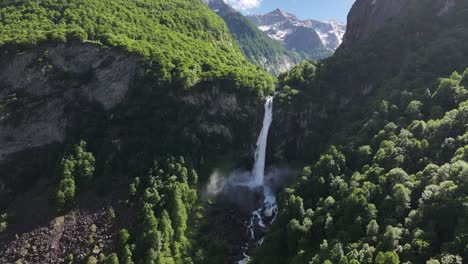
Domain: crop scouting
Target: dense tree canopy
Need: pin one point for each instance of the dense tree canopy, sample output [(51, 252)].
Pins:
[(165, 197), (391, 186), (400, 197), (185, 42), (77, 166)]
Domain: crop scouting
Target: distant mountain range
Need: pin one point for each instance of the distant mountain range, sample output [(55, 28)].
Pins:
[(307, 36), (278, 40), (257, 47)]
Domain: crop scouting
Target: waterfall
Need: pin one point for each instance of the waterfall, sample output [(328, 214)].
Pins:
[(265, 215), (258, 170)]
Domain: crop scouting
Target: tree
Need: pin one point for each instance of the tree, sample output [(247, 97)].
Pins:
[(390, 238), (167, 232), (414, 109), (124, 237), (402, 199), (451, 259), (372, 229), (65, 194), (84, 162), (112, 259), (387, 258), (3, 222), (76, 165), (396, 175), (150, 257), (364, 153), (336, 253), (179, 215), (79, 163), (126, 255), (91, 260)]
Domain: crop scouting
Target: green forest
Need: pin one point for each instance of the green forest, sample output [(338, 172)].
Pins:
[(400, 197), (182, 40), (376, 135)]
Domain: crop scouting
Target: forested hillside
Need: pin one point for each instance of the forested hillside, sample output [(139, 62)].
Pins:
[(388, 182), (399, 194), (117, 116), (96, 100), (186, 42), (400, 61)]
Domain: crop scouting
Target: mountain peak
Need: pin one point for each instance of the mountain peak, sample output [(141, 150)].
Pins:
[(279, 12), (216, 4), (281, 26)]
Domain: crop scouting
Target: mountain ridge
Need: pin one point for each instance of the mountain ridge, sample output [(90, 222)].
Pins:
[(256, 46), (140, 97), (368, 16), (279, 24)]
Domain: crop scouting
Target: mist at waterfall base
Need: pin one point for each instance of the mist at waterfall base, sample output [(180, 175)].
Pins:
[(245, 188), (252, 192), (237, 187)]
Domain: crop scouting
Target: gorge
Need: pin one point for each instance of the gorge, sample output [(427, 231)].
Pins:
[(142, 132)]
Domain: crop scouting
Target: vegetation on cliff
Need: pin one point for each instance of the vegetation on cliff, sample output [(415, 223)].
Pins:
[(399, 195), (388, 182), (165, 198), (185, 42), (191, 61)]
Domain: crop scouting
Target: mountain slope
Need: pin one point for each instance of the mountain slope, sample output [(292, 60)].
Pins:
[(98, 101), (366, 17), (314, 39), (114, 113), (255, 45), (386, 142)]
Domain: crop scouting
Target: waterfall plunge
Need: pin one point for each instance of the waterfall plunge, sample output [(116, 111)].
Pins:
[(258, 170), (265, 215)]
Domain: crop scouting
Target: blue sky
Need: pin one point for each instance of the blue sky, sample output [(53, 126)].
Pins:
[(316, 9)]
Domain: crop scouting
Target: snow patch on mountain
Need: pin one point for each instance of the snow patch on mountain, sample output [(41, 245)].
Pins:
[(279, 25)]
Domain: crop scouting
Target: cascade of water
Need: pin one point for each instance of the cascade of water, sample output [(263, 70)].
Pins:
[(258, 170), (269, 209)]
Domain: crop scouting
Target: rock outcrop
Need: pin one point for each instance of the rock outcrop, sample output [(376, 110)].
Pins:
[(42, 86), (368, 16)]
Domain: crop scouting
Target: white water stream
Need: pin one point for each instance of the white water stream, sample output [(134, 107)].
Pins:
[(258, 170), (264, 216)]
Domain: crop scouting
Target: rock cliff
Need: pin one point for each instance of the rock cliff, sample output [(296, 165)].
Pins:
[(368, 16), (43, 86), (55, 94)]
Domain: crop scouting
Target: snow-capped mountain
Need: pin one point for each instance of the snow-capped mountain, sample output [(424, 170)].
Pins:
[(300, 35)]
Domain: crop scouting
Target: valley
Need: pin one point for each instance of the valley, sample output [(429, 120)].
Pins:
[(186, 131)]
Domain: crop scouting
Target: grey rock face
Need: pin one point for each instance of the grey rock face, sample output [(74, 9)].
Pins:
[(41, 84), (368, 16)]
